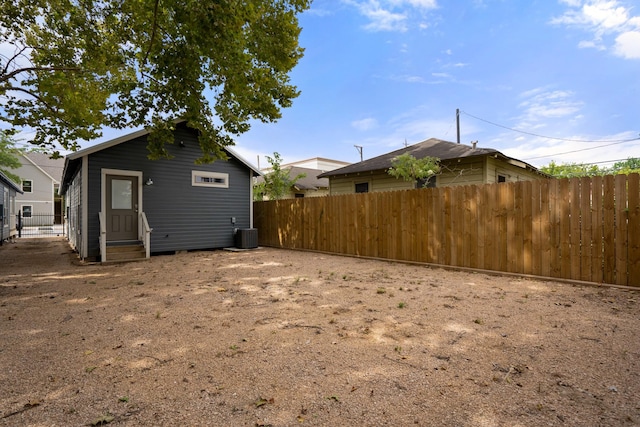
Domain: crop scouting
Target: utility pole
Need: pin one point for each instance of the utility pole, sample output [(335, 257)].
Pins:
[(458, 124), (359, 148)]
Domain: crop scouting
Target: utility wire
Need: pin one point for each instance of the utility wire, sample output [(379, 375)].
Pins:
[(581, 149), (549, 137)]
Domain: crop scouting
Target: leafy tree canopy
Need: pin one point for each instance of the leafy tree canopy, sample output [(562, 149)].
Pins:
[(9, 157), (573, 170), (631, 165), (277, 183), (78, 66), (410, 169)]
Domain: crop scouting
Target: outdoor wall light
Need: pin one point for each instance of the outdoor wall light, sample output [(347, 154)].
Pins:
[(149, 181)]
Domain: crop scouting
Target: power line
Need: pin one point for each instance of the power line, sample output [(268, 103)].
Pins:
[(620, 141), (581, 149)]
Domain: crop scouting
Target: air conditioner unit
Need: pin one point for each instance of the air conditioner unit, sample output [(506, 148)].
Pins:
[(247, 238)]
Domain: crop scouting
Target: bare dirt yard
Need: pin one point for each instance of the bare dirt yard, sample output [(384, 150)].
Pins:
[(274, 337)]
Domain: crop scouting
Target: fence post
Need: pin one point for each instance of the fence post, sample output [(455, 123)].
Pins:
[(19, 226)]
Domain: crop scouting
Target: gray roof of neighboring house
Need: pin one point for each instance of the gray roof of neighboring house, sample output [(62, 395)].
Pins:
[(433, 147), (52, 167)]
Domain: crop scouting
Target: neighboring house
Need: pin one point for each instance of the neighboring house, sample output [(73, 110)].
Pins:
[(116, 196), (40, 204), (318, 163), (8, 191), (461, 165), (310, 185)]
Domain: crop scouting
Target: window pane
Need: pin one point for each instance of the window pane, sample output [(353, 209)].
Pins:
[(121, 194), (362, 187), (27, 186)]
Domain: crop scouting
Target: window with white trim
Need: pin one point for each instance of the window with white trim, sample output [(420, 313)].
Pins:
[(27, 211), (209, 179), (27, 186)]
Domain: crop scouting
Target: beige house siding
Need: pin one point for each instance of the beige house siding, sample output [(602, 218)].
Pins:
[(472, 171), (463, 172), (309, 193), (511, 172), (378, 181)]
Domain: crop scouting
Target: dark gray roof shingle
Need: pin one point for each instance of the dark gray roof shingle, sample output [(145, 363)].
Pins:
[(433, 147)]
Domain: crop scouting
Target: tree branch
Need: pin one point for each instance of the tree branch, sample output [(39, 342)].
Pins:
[(153, 30), (9, 76), (13, 58)]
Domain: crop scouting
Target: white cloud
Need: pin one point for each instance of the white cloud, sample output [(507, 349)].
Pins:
[(541, 104), (586, 44), (540, 151), (365, 124), (604, 19), (383, 20), (628, 45), (391, 15)]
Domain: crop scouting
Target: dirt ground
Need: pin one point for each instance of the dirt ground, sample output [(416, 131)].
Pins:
[(274, 337)]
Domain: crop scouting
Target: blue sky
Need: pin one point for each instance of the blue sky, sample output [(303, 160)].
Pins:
[(377, 73)]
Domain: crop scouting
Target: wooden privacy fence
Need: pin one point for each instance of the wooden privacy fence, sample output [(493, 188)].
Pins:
[(585, 229)]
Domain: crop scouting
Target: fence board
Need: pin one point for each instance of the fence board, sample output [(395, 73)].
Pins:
[(634, 229), (490, 228), (574, 224), (586, 231), (545, 228), (502, 229), (471, 225), (597, 263), (481, 219), (536, 226), (383, 222), (405, 225), (435, 226), (583, 229), (565, 230), (554, 224), (621, 215), (510, 255), (609, 250), (422, 237), (527, 227), (517, 252)]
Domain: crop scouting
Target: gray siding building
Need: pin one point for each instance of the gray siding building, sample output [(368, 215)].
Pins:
[(115, 194), (8, 191)]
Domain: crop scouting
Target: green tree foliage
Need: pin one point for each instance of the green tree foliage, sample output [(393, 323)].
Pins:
[(277, 183), (631, 165), (78, 66), (571, 170), (410, 169), (9, 157), (574, 170)]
